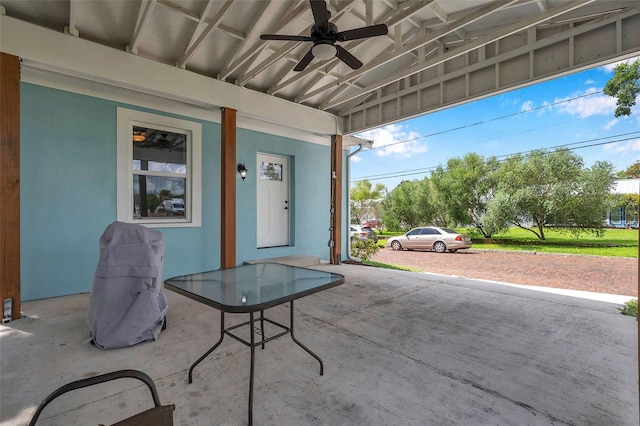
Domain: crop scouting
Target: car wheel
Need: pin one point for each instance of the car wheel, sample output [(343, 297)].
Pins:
[(396, 245), (439, 247), (453, 250)]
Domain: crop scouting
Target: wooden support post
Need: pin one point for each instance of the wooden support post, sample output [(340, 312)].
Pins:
[(10, 182), (228, 190), (335, 251)]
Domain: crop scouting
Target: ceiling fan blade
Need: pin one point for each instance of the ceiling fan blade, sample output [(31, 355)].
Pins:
[(347, 57), (284, 37), (306, 60), (364, 32), (320, 13)]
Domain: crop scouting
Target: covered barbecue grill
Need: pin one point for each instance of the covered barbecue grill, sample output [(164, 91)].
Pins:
[(127, 305)]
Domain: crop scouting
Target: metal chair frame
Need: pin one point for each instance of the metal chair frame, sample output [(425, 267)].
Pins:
[(91, 381)]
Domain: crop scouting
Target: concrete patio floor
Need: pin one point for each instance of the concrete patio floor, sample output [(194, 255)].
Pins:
[(399, 348)]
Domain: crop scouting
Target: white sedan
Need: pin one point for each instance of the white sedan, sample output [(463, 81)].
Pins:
[(430, 238)]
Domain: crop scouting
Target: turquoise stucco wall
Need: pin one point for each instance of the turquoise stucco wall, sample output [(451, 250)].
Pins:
[(68, 194), (310, 195)]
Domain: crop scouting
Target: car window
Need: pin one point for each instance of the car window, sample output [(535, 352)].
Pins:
[(449, 231), (429, 231), (353, 229), (416, 231)]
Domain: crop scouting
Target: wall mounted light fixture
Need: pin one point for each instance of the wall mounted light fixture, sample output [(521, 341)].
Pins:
[(242, 170)]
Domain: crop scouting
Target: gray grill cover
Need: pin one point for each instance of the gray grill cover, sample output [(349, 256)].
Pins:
[(127, 304)]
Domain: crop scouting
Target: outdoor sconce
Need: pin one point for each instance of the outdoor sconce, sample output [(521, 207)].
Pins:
[(242, 170)]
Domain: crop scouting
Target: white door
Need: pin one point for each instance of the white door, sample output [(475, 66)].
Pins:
[(273, 201)]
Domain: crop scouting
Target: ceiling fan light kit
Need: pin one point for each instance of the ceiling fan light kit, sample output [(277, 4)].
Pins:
[(324, 36), (324, 51)]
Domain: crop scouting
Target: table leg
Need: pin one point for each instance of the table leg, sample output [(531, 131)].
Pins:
[(253, 363), (262, 327), (210, 350), (298, 342)]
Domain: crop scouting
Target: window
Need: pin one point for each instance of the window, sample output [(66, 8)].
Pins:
[(430, 231), (159, 170), (270, 171)]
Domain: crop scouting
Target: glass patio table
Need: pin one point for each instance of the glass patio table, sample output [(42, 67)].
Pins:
[(251, 289)]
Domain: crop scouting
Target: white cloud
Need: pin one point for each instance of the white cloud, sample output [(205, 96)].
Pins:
[(529, 106), (395, 140), (506, 101), (610, 124), (526, 106), (586, 106), (610, 67), (589, 82), (626, 147)]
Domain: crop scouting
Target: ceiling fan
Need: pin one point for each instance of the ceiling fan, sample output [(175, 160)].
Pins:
[(325, 35), (149, 138)]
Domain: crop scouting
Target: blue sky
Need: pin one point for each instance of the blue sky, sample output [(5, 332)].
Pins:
[(567, 110)]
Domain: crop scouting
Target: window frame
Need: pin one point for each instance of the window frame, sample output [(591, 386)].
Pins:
[(126, 119)]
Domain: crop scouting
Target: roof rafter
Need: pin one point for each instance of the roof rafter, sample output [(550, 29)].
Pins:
[(144, 14), (252, 52), (211, 25), (200, 23), (482, 41), (71, 29), (394, 19), (288, 47), (263, 8), (429, 38)]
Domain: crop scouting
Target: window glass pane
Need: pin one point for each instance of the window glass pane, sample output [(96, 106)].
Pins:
[(161, 197), (159, 150), (270, 171), (414, 231)]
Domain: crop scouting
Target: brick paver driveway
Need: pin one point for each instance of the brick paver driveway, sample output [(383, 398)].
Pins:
[(612, 275)]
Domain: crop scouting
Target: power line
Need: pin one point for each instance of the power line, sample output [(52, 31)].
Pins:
[(505, 156), (466, 126)]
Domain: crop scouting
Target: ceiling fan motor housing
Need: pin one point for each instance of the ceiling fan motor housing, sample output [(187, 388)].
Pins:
[(319, 34)]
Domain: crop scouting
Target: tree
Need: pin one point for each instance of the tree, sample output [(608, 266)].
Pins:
[(400, 209), (365, 200), (153, 202), (551, 189), (631, 172), (410, 204), (625, 86), (592, 200), (465, 187)]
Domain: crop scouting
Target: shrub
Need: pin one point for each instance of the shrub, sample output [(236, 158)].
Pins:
[(630, 308), (363, 250)]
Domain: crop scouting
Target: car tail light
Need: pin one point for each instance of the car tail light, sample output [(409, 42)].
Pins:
[(458, 237), (364, 234)]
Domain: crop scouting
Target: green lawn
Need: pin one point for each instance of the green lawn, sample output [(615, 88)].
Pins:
[(615, 242)]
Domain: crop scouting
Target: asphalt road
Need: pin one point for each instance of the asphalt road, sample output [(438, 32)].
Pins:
[(611, 275)]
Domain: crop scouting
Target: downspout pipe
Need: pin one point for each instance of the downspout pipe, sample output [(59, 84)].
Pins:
[(348, 215)]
